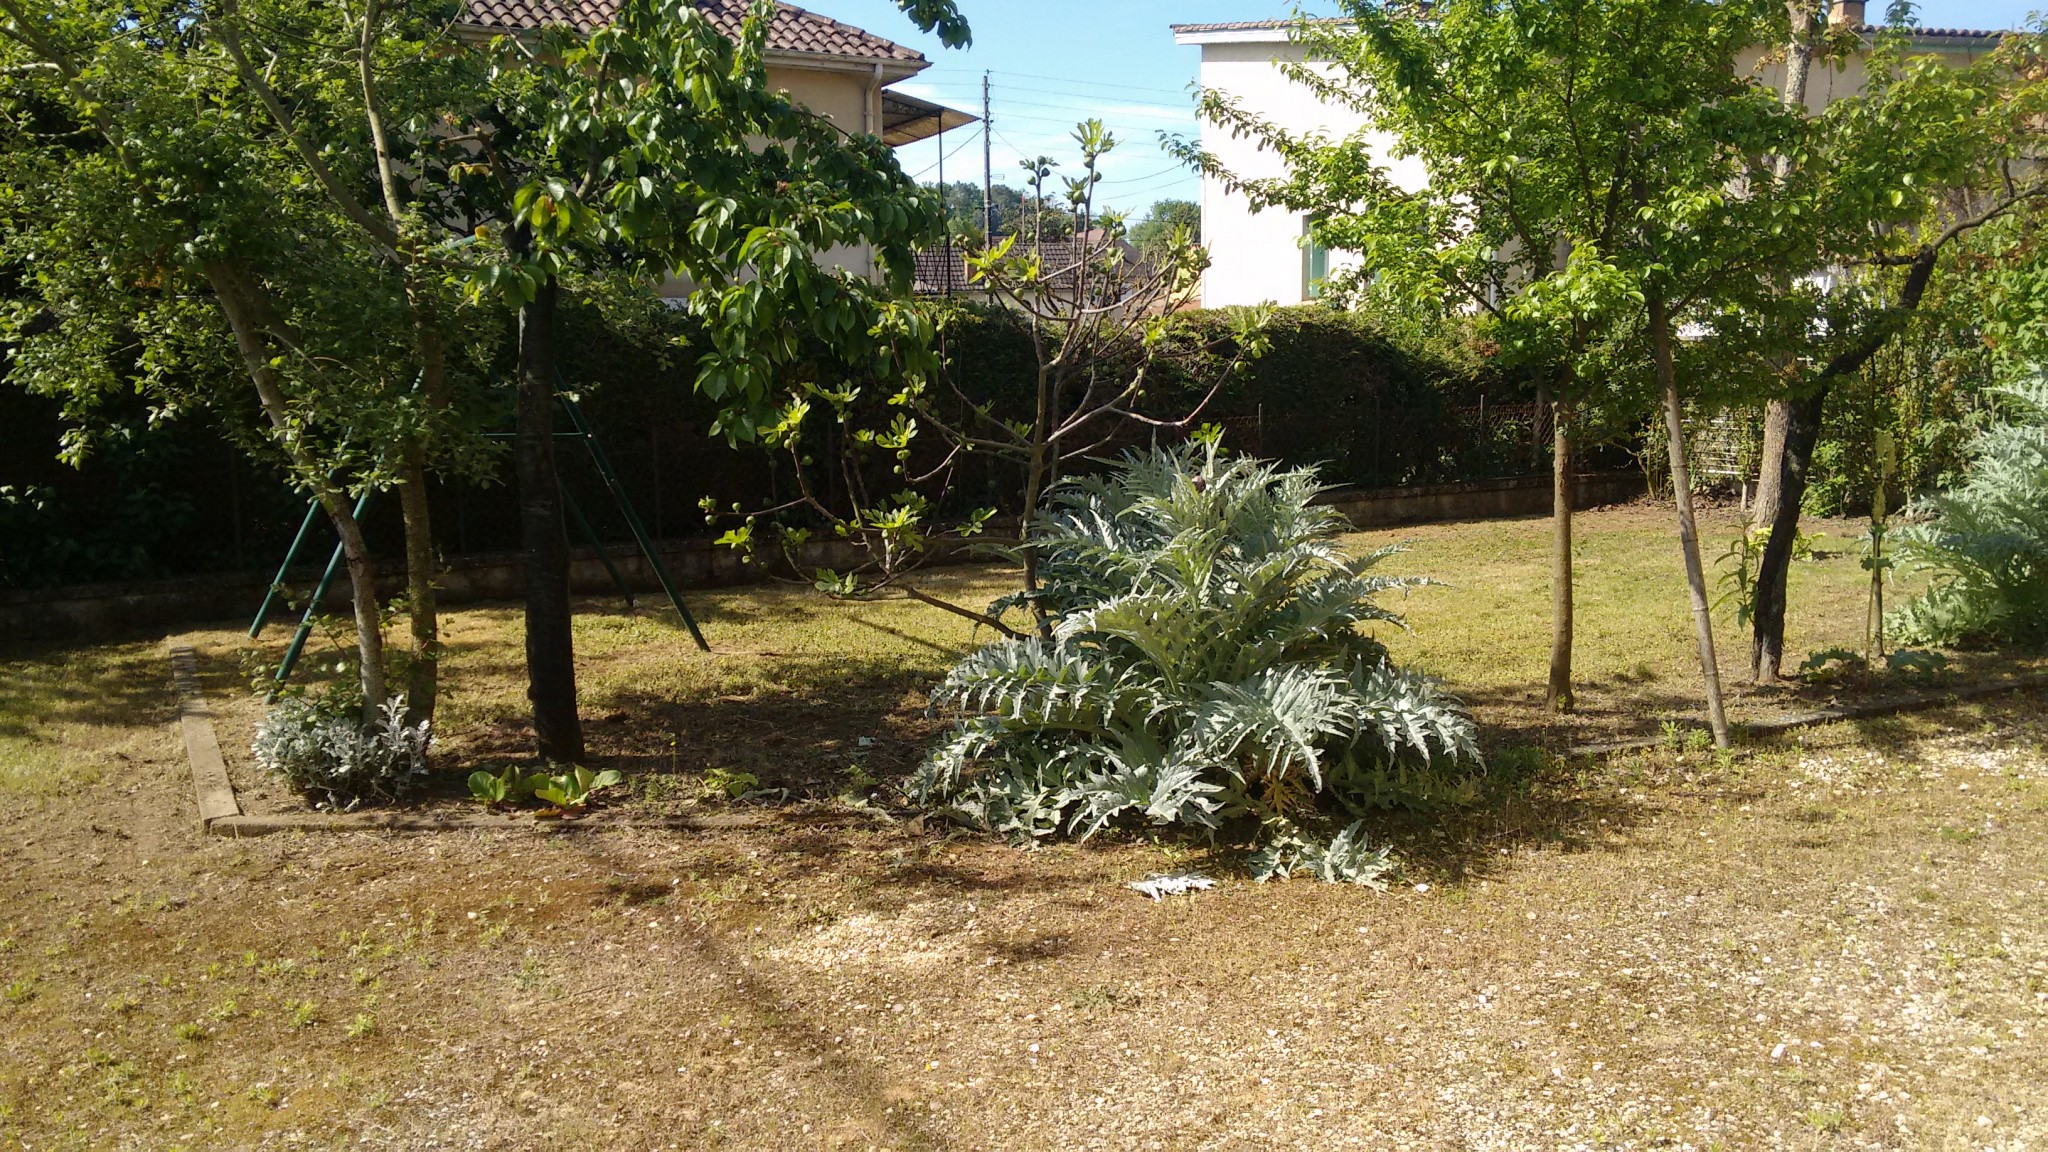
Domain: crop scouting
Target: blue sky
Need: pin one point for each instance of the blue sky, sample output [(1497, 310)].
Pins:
[(1053, 62)]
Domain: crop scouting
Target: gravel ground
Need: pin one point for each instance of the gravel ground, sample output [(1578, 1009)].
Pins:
[(1838, 942)]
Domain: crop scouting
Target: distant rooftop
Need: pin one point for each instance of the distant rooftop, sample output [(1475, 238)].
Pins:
[(794, 30), (1269, 27)]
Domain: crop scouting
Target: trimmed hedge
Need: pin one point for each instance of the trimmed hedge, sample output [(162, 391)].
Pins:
[(1334, 390)]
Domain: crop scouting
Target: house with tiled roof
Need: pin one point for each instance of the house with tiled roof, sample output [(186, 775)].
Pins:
[(841, 72), (1267, 256)]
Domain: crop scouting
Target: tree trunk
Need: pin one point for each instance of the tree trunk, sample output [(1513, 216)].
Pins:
[(1562, 491), (544, 541), (423, 672), (1034, 479), (1778, 412), (236, 299), (1773, 569), (1802, 435), (1763, 509), (1688, 533), (421, 558)]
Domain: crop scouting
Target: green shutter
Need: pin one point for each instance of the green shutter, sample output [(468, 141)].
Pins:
[(1315, 264)]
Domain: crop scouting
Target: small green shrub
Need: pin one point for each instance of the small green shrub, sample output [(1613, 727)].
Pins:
[(1828, 663), (574, 789), (1916, 662), (570, 791), (1346, 859), (1987, 542), (510, 786), (728, 783), (1206, 662), (337, 760)]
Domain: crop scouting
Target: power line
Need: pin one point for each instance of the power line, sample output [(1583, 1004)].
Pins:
[(1133, 126), (1146, 192), (1119, 101), (1075, 96), (1177, 114), (940, 162), (1068, 80), (1006, 140), (1090, 83), (1175, 169)]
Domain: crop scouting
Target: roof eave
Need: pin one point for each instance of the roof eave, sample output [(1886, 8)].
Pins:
[(892, 70), (1233, 36), (1275, 31)]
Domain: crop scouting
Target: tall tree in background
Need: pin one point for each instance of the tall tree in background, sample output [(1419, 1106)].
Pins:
[(352, 93), (964, 208), (1577, 206), (172, 221), (656, 147), (1878, 190), (1155, 232)]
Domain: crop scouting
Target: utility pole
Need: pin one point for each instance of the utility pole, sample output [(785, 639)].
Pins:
[(945, 207), (988, 203)]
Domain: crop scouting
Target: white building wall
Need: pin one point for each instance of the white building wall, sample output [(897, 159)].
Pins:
[(1256, 257)]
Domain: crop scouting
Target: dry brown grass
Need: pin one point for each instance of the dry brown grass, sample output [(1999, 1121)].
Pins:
[(1833, 941)]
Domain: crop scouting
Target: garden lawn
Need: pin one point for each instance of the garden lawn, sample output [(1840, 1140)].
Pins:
[(1832, 939)]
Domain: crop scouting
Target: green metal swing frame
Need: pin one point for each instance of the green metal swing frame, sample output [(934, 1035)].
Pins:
[(613, 487)]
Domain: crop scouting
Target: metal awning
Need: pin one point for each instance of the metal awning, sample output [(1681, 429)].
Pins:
[(907, 119)]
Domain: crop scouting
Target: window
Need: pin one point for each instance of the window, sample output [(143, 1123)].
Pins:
[(1315, 262)]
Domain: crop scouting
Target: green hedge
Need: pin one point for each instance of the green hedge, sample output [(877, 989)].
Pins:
[(1333, 390)]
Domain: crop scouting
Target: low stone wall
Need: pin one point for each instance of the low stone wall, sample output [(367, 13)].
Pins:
[(90, 611), (1479, 499)]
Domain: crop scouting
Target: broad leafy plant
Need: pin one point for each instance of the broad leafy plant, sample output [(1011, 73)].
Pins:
[(566, 794), (1203, 660), (1987, 542)]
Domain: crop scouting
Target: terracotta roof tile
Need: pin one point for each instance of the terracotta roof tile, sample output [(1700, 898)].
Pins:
[(794, 30)]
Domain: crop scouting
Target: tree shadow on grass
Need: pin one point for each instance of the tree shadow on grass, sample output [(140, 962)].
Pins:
[(125, 685), (833, 726), (1608, 709)]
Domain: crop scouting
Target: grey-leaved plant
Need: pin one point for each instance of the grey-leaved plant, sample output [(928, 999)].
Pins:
[(1207, 661), (1987, 542)]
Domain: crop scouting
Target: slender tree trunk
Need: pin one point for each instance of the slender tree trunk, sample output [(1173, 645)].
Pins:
[(234, 296), (1773, 569), (1562, 493), (1763, 509), (421, 558), (1034, 479), (1688, 532), (1038, 474), (1770, 473), (544, 541), (423, 672)]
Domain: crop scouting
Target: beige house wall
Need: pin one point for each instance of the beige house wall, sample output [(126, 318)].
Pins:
[(850, 96)]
